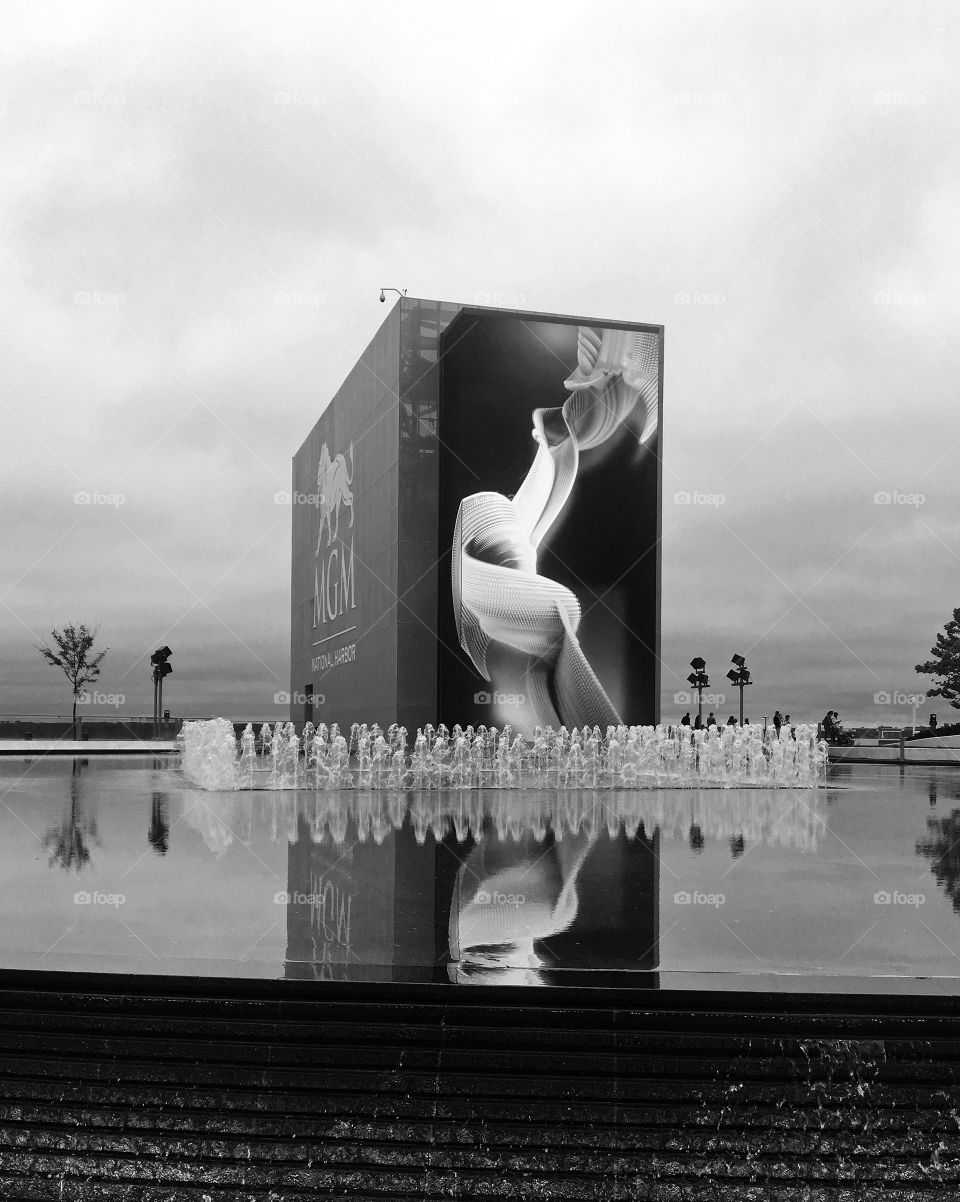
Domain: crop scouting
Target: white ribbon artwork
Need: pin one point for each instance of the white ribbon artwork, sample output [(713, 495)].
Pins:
[(500, 599)]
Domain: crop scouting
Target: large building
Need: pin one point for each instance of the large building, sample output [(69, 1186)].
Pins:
[(476, 525)]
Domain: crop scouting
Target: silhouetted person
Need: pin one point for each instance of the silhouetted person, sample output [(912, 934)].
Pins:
[(731, 721), (829, 730), (711, 720), (698, 723), (777, 721), (696, 839), (685, 720)]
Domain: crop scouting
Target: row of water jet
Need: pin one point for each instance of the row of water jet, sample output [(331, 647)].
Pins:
[(324, 759), (760, 816)]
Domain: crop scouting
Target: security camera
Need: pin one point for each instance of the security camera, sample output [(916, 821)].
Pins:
[(382, 297)]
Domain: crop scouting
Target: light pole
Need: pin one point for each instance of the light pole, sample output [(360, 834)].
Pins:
[(740, 677), (161, 668), (699, 680)]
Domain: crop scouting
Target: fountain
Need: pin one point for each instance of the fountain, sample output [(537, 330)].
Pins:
[(624, 757)]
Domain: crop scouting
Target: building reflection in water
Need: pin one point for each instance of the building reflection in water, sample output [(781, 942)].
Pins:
[(486, 886), (361, 907), (472, 909), (501, 895)]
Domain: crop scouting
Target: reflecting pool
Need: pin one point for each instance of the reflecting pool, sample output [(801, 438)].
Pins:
[(119, 865)]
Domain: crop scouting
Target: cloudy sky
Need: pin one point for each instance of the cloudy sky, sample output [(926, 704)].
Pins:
[(198, 205)]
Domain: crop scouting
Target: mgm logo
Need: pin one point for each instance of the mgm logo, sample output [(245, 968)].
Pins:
[(333, 587)]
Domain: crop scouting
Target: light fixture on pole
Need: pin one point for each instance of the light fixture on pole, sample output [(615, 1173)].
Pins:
[(699, 680), (161, 668), (384, 291), (739, 677)]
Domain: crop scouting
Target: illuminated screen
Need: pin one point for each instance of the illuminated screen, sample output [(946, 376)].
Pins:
[(549, 492)]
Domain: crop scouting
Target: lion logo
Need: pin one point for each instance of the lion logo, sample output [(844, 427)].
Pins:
[(333, 488)]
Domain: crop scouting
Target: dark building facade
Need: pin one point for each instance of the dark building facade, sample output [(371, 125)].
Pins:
[(476, 520)]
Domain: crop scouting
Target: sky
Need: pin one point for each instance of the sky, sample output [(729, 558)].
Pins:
[(199, 205)]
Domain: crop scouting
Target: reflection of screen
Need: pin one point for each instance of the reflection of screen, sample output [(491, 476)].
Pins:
[(544, 906), (477, 908), (549, 501)]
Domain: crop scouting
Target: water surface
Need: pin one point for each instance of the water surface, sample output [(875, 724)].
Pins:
[(119, 865)]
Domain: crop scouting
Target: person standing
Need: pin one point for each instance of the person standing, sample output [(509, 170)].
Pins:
[(711, 720), (685, 720), (777, 721)]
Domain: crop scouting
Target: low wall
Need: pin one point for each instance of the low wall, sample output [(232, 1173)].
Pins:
[(90, 728), (99, 728), (913, 753)]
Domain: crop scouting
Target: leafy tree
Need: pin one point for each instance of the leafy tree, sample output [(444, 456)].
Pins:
[(73, 657), (946, 663)]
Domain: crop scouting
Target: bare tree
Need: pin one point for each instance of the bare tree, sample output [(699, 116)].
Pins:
[(73, 657)]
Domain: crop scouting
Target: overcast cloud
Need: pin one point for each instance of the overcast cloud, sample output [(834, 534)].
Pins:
[(198, 205)]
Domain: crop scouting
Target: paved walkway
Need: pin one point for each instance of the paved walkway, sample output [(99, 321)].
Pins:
[(85, 747)]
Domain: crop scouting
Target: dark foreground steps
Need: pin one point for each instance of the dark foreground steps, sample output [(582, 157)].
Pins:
[(167, 1091)]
